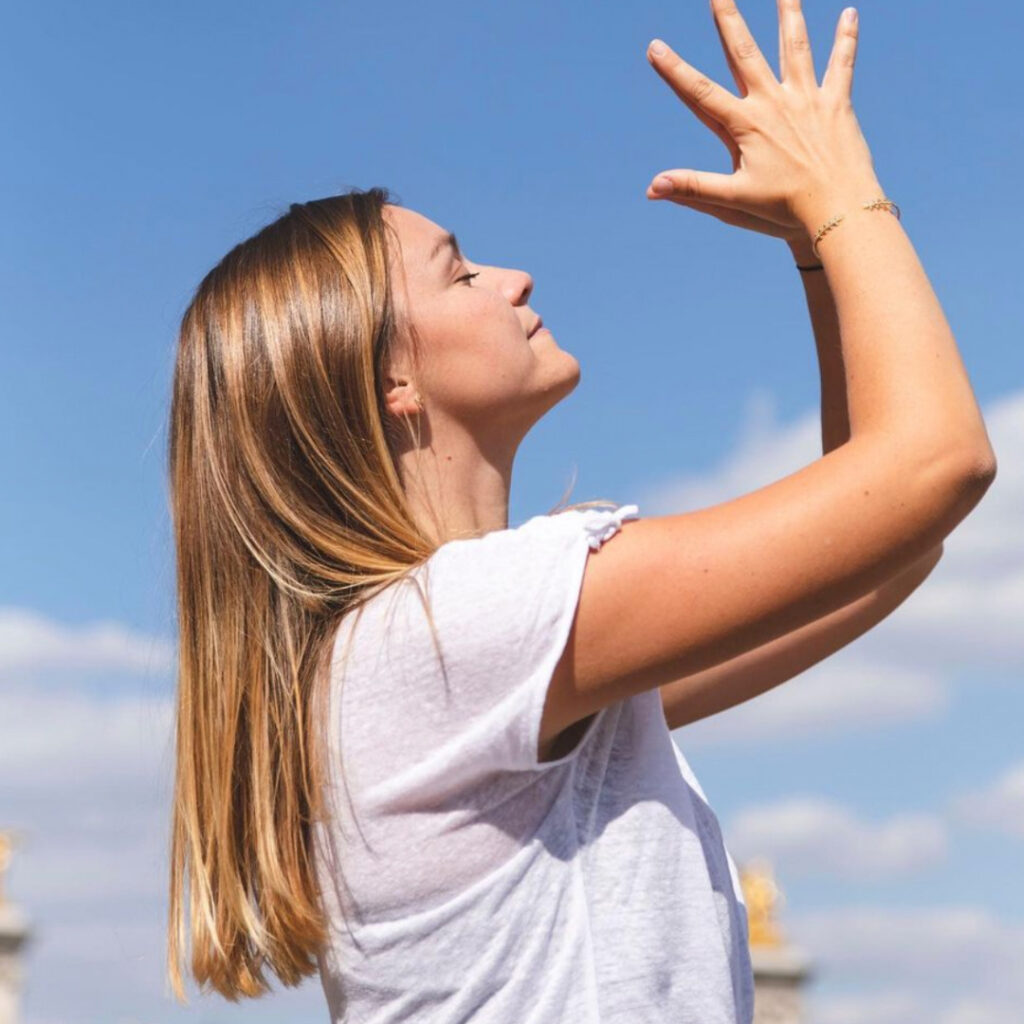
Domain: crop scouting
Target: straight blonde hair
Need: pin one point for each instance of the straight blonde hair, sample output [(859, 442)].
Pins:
[(288, 512)]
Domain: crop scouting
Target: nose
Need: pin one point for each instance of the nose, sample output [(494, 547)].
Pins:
[(523, 286), (515, 285)]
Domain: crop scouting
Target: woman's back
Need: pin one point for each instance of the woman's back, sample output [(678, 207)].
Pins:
[(464, 876)]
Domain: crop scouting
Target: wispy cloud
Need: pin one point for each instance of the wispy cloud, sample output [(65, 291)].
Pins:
[(80, 740), (998, 806), (902, 1006), (30, 642), (811, 835), (954, 953), (834, 696)]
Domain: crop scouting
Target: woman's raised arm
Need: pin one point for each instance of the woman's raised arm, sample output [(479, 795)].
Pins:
[(676, 594)]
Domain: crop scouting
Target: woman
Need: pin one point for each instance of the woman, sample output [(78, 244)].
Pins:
[(427, 754)]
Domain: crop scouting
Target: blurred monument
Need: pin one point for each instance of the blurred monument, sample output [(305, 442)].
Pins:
[(13, 934), (780, 969)]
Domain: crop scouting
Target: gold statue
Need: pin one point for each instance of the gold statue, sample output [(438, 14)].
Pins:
[(761, 895)]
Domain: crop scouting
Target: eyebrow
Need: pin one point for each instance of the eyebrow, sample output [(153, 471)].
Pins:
[(446, 240)]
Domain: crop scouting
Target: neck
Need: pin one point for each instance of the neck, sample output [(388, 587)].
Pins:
[(456, 487)]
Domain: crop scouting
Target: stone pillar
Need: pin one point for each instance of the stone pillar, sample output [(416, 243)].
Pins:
[(14, 932), (780, 969)]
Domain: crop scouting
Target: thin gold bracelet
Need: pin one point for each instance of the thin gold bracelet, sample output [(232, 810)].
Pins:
[(875, 204)]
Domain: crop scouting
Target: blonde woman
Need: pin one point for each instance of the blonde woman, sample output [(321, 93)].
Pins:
[(427, 754)]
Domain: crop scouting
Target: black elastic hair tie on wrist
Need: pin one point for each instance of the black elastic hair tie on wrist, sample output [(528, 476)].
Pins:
[(817, 266)]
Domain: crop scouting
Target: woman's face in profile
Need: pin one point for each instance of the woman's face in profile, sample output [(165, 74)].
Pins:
[(479, 365)]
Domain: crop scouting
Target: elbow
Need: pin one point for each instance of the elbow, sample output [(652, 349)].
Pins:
[(968, 475), (969, 463), (955, 483), (977, 468)]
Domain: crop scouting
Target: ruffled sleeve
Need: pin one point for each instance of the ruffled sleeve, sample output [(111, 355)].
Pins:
[(600, 524)]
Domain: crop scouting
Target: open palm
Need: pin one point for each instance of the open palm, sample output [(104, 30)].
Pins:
[(794, 51)]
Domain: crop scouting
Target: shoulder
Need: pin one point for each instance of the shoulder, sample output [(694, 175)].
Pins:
[(592, 525), (467, 642), (513, 578), (521, 557)]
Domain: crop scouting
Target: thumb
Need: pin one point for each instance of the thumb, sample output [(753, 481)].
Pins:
[(687, 184)]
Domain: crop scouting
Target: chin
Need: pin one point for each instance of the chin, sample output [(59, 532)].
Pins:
[(567, 381), (573, 370)]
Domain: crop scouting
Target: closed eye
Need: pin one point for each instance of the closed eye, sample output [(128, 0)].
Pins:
[(468, 277)]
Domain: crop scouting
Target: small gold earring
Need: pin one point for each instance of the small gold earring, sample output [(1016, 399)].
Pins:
[(419, 401)]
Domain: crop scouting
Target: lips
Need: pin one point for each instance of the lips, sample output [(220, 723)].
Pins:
[(536, 327)]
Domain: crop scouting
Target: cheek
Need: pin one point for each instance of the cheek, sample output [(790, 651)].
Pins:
[(481, 362)]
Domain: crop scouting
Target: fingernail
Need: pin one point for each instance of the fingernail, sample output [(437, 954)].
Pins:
[(661, 185), (850, 14), (657, 47)]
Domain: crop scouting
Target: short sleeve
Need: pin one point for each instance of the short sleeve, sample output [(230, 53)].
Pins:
[(502, 607)]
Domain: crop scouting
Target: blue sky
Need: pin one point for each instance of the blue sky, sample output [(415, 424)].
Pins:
[(144, 140)]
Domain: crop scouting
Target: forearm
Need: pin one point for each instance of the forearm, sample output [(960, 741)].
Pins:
[(835, 416), (752, 673), (905, 380)]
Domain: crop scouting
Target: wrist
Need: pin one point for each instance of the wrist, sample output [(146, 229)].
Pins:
[(803, 254), (815, 209)]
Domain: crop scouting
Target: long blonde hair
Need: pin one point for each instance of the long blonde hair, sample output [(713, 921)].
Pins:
[(288, 511)]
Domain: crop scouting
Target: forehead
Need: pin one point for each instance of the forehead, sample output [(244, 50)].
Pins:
[(416, 234)]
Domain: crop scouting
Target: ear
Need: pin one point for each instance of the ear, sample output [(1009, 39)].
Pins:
[(401, 397)]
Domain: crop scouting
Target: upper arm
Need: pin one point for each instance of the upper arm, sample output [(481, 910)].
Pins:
[(675, 594)]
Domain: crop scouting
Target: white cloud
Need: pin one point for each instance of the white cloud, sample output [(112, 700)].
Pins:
[(899, 1006), (108, 968), (977, 1010), (30, 642), (832, 696), (999, 806), (964, 615), (807, 835), (67, 738), (923, 965), (962, 947), (890, 1007), (85, 781)]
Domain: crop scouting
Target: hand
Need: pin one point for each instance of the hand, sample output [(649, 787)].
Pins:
[(793, 144), (797, 238), (799, 242)]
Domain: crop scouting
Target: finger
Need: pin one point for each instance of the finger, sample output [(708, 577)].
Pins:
[(697, 90), (796, 62), (736, 218), (716, 126), (703, 186), (736, 75), (838, 78), (782, 48), (746, 55)]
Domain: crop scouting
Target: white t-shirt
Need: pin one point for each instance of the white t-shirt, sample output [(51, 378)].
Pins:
[(478, 884)]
